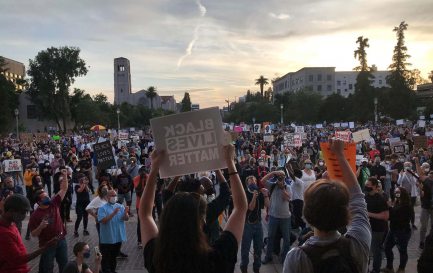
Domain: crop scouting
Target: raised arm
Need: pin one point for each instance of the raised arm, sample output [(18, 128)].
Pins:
[(236, 221), (148, 227), (63, 185)]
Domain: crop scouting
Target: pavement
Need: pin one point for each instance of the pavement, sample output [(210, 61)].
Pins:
[(134, 263)]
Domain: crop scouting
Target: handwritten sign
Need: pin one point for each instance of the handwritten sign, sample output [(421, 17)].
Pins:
[(343, 135), (123, 135), (104, 154), (193, 141), (293, 140), (362, 135), (13, 165), (334, 169)]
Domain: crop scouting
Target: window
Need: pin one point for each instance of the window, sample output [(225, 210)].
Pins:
[(380, 81), (319, 77), (310, 78), (344, 82), (319, 88), (32, 112), (338, 91), (345, 90), (121, 68), (350, 86), (328, 87), (328, 77), (338, 83), (121, 90)]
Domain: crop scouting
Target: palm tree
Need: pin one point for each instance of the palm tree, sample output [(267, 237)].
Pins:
[(262, 81), (361, 54), (150, 94)]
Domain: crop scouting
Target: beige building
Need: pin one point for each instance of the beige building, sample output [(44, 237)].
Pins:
[(15, 71)]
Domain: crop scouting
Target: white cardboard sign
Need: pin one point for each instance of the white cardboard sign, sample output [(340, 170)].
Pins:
[(399, 121), (299, 129), (193, 142), (13, 165), (361, 135), (123, 135)]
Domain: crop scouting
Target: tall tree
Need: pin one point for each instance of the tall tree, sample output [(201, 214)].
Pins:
[(52, 73), (430, 75), (151, 94), (361, 54), (8, 98), (401, 98), (186, 103), (417, 78), (262, 81)]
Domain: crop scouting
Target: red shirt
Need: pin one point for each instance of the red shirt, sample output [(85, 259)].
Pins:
[(12, 250), (136, 182), (55, 225)]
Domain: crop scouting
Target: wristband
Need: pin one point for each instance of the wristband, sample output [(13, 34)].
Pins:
[(233, 173)]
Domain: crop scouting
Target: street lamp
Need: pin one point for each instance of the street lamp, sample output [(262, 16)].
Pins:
[(254, 121), (282, 107), (375, 111), (118, 119), (17, 112)]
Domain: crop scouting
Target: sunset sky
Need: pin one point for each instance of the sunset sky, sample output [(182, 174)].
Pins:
[(214, 48)]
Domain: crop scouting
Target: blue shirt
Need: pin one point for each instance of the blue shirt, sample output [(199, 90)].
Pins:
[(114, 230)]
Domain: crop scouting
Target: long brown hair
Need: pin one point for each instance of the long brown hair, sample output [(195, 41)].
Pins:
[(181, 245), (404, 199)]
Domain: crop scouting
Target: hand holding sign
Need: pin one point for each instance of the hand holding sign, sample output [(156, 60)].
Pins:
[(157, 157), (229, 153)]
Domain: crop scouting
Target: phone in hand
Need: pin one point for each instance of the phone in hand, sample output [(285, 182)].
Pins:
[(97, 252)]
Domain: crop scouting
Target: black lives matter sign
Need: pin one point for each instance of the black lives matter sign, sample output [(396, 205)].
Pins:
[(104, 154), (193, 142)]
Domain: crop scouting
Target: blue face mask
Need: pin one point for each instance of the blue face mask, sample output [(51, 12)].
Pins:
[(252, 188), (46, 201), (86, 255)]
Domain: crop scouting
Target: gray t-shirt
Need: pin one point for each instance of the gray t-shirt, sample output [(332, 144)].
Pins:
[(279, 207)]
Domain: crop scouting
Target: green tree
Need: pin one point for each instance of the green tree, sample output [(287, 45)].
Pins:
[(361, 54), (52, 73), (186, 103), (401, 103), (262, 81), (335, 108), (9, 100), (151, 94)]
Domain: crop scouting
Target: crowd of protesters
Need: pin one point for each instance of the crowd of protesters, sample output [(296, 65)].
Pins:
[(272, 183)]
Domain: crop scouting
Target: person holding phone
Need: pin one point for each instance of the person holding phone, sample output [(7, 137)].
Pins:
[(46, 224), (82, 253)]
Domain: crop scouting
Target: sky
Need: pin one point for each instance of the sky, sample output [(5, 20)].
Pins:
[(213, 49)]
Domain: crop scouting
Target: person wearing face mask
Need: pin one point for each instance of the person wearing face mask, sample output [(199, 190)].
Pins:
[(378, 214), (13, 253), (112, 217), (363, 172), (100, 200), (82, 253), (426, 187), (83, 199), (308, 174), (395, 168), (46, 224), (400, 215), (262, 169), (320, 168), (407, 180), (377, 170), (46, 173), (37, 185)]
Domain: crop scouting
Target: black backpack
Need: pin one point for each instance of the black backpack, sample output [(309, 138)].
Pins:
[(332, 258)]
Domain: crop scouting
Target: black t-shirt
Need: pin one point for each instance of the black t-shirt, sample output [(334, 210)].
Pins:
[(72, 267), (123, 183), (397, 166), (427, 198), (222, 257), (376, 203), (82, 197), (377, 171), (255, 216), (399, 217)]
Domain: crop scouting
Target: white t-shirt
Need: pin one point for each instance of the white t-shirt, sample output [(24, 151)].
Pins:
[(95, 204), (308, 179), (297, 188)]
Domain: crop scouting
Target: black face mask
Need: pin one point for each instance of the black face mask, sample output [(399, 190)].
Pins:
[(368, 189)]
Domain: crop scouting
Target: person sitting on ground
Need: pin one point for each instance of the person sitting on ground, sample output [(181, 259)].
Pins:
[(329, 205), (179, 244), (82, 252)]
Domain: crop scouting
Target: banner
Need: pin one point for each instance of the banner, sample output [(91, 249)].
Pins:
[(193, 142), (123, 135), (331, 161), (362, 135), (420, 142), (343, 135), (13, 165), (104, 154)]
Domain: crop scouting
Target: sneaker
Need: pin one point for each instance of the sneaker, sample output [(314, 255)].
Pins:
[(86, 233), (76, 234), (266, 260)]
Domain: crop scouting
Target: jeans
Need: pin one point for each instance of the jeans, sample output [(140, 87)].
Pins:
[(254, 233), (297, 213), (426, 215), (376, 250), (401, 239), (59, 252), (285, 226), (109, 253)]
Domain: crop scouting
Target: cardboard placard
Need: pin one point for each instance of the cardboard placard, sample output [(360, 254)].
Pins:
[(334, 170), (257, 128), (12, 165), (104, 154), (343, 135), (299, 129), (399, 121), (193, 142), (362, 135), (123, 135), (26, 137), (292, 140), (399, 148), (420, 142), (352, 125), (319, 126), (268, 138)]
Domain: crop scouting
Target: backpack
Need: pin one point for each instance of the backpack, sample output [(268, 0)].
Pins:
[(332, 258)]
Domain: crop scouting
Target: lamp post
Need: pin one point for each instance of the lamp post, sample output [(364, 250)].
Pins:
[(375, 111), (282, 108), (118, 119), (254, 121), (17, 112)]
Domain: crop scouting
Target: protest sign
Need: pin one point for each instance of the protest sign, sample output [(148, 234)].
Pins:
[(123, 135), (26, 137), (238, 129), (399, 148), (394, 140), (292, 140), (55, 137), (343, 135), (399, 121), (420, 142), (13, 165), (257, 128), (429, 134), (344, 125), (421, 123), (362, 135), (268, 138), (193, 142), (334, 169), (104, 154), (319, 126), (132, 129), (299, 129), (336, 125), (352, 125), (431, 116), (268, 128)]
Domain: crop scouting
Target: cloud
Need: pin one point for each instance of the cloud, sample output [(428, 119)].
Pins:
[(191, 44), (281, 16)]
